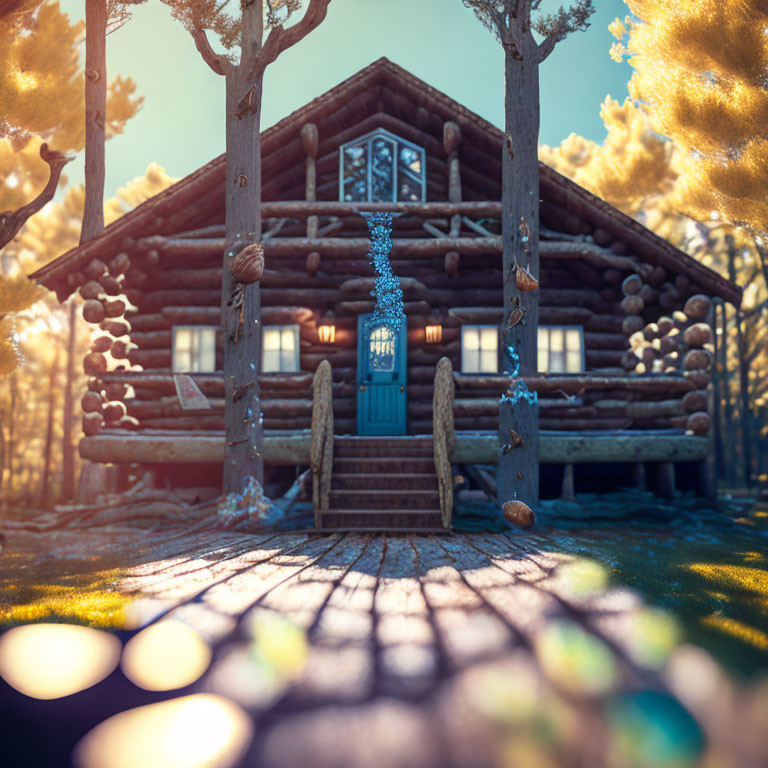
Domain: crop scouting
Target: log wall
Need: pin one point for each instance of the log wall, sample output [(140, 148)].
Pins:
[(176, 281)]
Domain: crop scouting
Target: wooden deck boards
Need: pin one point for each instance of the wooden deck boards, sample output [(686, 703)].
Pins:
[(399, 633), (406, 651)]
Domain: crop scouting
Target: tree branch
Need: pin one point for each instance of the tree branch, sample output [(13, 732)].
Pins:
[(279, 40), (221, 65), (548, 45), (11, 223)]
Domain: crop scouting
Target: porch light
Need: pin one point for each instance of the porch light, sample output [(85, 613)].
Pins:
[(434, 334), (326, 333)]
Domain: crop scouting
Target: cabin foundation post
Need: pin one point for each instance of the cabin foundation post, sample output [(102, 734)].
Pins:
[(706, 478), (665, 475), (567, 492), (639, 476)]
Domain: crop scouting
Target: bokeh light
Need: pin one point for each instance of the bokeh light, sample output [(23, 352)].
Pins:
[(650, 729), (199, 731), (166, 655), (48, 661), (575, 660)]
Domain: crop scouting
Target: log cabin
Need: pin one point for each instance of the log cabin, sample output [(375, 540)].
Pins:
[(625, 341)]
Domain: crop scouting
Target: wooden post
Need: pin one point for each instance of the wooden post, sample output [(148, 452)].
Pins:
[(310, 140), (567, 492), (451, 142), (706, 478), (665, 475), (639, 476)]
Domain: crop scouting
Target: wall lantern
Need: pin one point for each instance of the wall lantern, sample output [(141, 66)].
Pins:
[(433, 333), (326, 332)]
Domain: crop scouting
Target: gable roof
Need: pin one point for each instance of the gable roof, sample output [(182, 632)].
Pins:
[(389, 77)]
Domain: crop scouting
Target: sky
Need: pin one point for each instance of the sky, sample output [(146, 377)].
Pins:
[(181, 125)]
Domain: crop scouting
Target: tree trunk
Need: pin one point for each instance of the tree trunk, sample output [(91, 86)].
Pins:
[(11, 433), (746, 435), (46, 473), (67, 452), (95, 115), (518, 473), (242, 327)]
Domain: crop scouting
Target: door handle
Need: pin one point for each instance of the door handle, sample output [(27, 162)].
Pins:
[(402, 389), (362, 388)]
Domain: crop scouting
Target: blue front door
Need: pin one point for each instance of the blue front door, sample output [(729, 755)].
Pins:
[(381, 379)]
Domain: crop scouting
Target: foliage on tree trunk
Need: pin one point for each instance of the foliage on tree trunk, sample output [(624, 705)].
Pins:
[(513, 22), (241, 304)]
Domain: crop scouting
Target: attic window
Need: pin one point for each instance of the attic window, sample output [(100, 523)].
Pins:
[(382, 168)]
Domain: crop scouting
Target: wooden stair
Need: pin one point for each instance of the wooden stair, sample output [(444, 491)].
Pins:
[(383, 484)]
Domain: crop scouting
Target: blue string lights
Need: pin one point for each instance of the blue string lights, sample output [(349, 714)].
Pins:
[(388, 311), (518, 390)]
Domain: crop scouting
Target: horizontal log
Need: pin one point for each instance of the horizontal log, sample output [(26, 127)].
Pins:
[(344, 247), (142, 448), (271, 408), (212, 315), (574, 385), (293, 449), (588, 449), (211, 384)]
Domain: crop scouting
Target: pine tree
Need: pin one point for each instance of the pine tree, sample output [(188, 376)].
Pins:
[(513, 23), (42, 93), (241, 316)]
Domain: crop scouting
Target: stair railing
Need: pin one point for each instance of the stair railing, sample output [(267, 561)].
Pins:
[(443, 435), (321, 440)]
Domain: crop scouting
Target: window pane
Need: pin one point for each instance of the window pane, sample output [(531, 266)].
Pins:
[(288, 339), (470, 361), (271, 339), (470, 338), (489, 339), (489, 362), (355, 185), (573, 345), (207, 350), (382, 169), (270, 361), (542, 360), (381, 349), (409, 174)]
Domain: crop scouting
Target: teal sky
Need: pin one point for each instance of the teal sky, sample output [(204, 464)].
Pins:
[(181, 125)]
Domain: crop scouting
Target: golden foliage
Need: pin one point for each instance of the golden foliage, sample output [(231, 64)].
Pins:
[(630, 166), (700, 73), (42, 90)]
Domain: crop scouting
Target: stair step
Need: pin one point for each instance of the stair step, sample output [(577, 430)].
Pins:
[(393, 447), (365, 481), (382, 465), (385, 499), (381, 520)]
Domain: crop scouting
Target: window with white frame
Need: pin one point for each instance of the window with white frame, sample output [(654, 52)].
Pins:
[(280, 349), (561, 348), (194, 348), (382, 167), (479, 349)]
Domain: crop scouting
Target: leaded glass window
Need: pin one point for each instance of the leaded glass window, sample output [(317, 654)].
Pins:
[(381, 349), (382, 167)]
